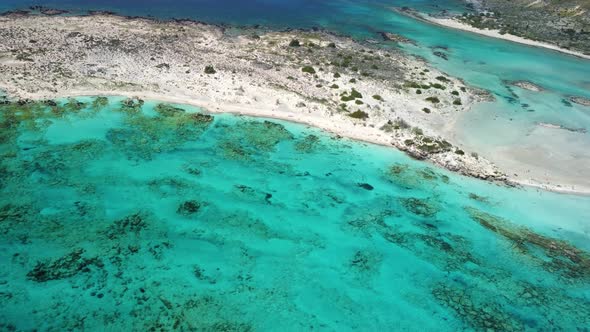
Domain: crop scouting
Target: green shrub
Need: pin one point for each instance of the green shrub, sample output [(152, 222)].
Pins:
[(334, 86), (355, 94), (308, 69), (359, 115), (457, 102), (418, 92), (331, 45), (358, 102), (209, 70), (459, 152), (426, 110), (417, 131), (352, 96), (455, 93), (438, 86), (352, 80), (412, 85), (433, 100), (378, 97), (294, 43), (442, 79), (336, 75)]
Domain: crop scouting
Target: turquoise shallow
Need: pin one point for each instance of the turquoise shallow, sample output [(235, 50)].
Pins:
[(117, 215)]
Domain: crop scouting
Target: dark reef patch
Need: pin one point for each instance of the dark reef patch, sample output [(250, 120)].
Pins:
[(63, 267)]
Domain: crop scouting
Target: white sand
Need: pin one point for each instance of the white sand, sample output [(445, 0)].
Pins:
[(456, 24)]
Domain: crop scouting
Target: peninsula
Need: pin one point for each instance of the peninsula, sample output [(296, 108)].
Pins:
[(331, 82)]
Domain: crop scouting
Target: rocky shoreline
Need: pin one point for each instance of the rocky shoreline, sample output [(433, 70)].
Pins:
[(350, 89)]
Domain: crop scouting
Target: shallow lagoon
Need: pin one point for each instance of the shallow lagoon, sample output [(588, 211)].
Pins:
[(130, 216)]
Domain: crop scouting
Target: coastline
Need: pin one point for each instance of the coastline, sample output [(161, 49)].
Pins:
[(256, 76), (455, 24), (364, 134)]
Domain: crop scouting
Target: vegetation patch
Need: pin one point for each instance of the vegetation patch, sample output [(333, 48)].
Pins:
[(209, 70), (308, 69), (359, 115)]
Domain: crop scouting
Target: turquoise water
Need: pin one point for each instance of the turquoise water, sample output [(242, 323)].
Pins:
[(154, 217)]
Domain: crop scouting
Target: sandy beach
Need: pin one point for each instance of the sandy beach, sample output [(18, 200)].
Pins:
[(456, 24)]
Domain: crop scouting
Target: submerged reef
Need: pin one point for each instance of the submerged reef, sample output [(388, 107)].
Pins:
[(63, 267), (157, 217), (251, 138), (481, 316), (404, 176), (553, 255), (146, 135)]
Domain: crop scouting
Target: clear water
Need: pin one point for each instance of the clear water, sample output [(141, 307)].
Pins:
[(484, 62), (150, 218)]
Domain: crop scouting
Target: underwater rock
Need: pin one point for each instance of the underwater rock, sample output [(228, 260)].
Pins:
[(168, 110), (200, 275), (580, 100), (49, 102), (100, 102), (421, 207), (441, 55), (145, 135), (365, 261), (132, 224), (233, 150), (131, 105), (188, 208), (365, 186), (192, 170), (450, 252), (201, 118), (407, 177), (558, 256), (388, 36), (487, 316), (63, 267), (252, 194), (554, 126), (478, 198), (16, 213), (263, 135), (526, 85), (308, 144), (73, 106)]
